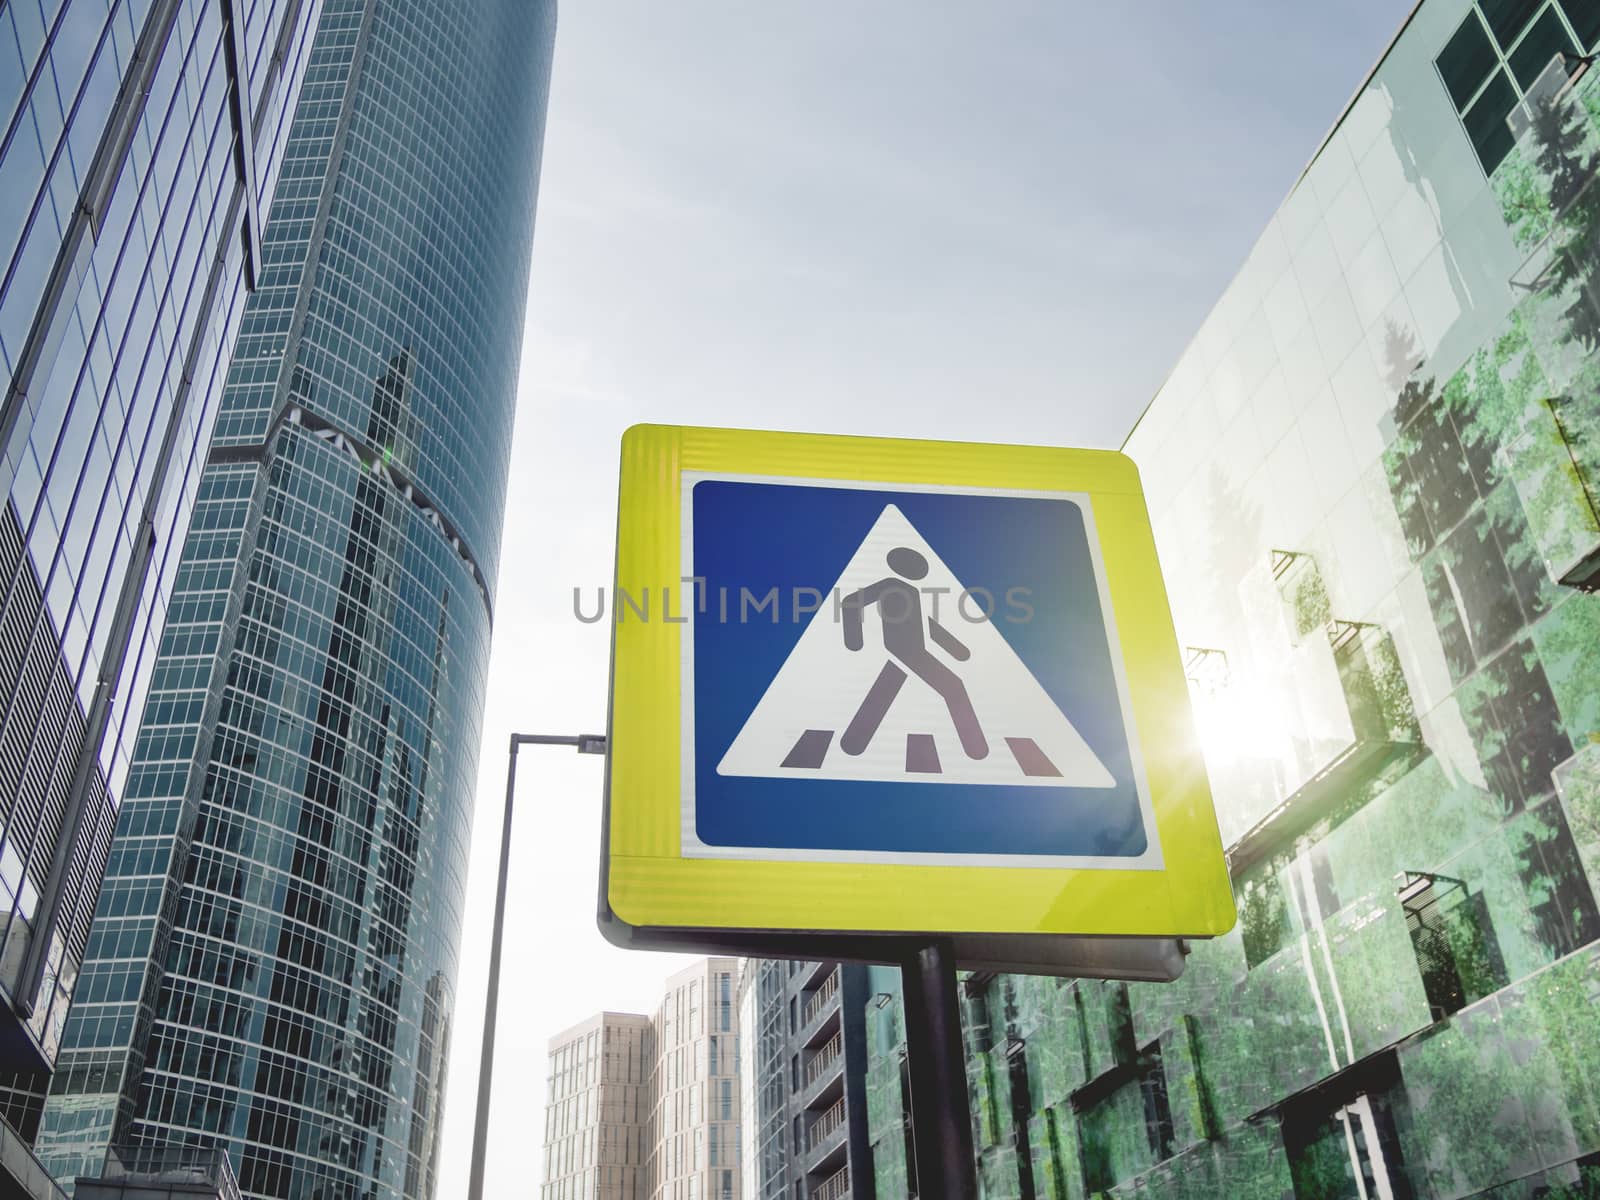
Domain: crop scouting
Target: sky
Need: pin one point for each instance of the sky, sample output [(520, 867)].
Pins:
[(989, 222)]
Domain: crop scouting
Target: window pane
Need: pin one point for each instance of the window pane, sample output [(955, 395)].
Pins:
[(1466, 60), (1508, 18), (1585, 18), (1545, 40), (1486, 121), (1264, 917)]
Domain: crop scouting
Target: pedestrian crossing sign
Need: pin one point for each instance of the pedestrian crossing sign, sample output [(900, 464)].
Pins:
[(882, 686)]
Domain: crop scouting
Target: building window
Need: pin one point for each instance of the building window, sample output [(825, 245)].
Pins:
[(1453, 939), (1562, 500), (1020, 1096), (1342, 1137), (1157, 1106), (1264, 917), (1498, 53), (1584, 17)]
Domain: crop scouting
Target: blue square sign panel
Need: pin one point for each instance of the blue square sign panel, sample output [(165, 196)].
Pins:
[(904, 673)]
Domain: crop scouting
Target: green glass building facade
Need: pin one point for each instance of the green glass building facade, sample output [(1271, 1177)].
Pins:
[(1375, 481), (271, 966)]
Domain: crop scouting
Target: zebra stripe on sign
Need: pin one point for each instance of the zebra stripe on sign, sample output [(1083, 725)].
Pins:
[(811, 749)]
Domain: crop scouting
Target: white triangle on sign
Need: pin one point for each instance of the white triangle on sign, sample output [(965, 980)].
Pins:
[(801, 717)]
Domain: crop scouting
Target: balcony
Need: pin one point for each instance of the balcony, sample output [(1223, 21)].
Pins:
[(835, 1187), (823, 1078), (825, 1125), (812, 972), (823, 1013), (819, 999), (823, 1060), (827, 1141)]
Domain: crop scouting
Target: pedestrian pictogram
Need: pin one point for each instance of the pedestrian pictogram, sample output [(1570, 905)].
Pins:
[(903, 675), (947, 694), (906, 642)]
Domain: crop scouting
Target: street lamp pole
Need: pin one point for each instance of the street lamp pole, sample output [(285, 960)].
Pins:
[(588, 743)]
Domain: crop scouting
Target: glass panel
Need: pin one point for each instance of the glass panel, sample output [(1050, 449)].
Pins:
[(1353, 1153), (1551, 872), (1486, 121), (1507, 18), (1466, 60), (1264, 919), (1515, 725), (1545, 40), (1585, 18)]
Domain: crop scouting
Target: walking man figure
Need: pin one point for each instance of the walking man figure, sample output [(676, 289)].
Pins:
[(900, 607)]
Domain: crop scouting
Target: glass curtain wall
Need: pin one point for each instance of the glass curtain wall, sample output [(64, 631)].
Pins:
[(272, 962), (138, 140), (1374, 478)]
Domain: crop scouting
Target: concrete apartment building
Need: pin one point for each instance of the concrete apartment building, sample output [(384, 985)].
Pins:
[(595, 1119), (694, 1146), (648, 1108)]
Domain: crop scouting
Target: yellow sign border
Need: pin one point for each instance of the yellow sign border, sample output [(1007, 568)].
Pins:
[(650, 884)]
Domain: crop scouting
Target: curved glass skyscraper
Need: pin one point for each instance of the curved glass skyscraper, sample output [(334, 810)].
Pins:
[(271, 966)]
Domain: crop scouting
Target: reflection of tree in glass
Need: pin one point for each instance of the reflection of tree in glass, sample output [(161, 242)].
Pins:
[(1264, 925), (1568, 160), (1551, 202), (1408, 110), (1402, 356), (1413, 396)]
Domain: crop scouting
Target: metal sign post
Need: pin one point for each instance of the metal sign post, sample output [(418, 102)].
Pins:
[(941, 1127)]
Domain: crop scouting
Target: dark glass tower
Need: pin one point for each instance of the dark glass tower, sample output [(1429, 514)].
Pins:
[(138, 141), (272, 961)]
